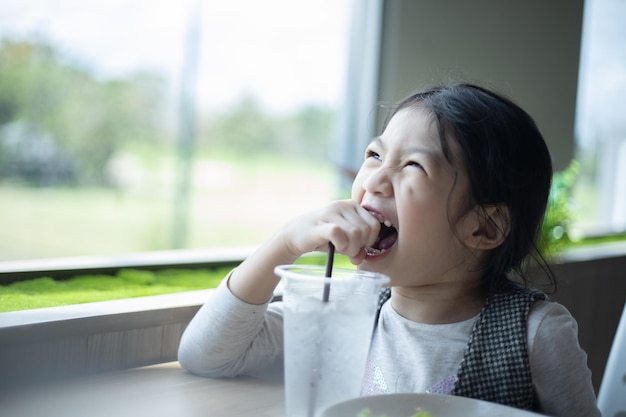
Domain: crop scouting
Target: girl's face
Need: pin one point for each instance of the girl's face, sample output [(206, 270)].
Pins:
[(406, 182)]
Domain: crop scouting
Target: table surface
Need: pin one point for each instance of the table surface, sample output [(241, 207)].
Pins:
[(152, 391)]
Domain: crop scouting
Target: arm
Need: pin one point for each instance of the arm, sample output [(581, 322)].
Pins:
[(236, 332), (558, 364), (216, 342), (344, 223)]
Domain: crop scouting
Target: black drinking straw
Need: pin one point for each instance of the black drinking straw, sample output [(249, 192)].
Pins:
[(329, 271), (315, 368)]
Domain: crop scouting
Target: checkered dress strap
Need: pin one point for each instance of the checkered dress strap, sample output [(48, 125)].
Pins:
[(384, 295), (495, 366)]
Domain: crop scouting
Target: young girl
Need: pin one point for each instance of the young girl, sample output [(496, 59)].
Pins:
[(447, 203)]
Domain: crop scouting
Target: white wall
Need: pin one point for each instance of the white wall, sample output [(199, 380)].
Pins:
[(528, 50)]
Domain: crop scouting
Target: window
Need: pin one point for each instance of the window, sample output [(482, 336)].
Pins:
[(140, 125), (600, 192)]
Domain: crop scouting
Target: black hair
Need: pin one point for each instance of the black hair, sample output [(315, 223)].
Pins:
[(507, 163)]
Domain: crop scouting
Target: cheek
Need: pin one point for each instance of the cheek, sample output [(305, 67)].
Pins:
[(357, 187), (422, 210), (357, 193)]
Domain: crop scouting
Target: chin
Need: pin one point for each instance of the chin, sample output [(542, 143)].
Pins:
[(378, 263)]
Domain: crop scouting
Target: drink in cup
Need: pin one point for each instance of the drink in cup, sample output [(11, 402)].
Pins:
[(326, 342)]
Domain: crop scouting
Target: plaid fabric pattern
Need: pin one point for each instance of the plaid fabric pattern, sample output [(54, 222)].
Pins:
[(384, 295), (495, 366)]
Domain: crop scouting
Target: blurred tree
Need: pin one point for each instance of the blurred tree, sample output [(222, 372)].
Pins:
[(312, 128), (246, 128), (243, 128), (83, 119)]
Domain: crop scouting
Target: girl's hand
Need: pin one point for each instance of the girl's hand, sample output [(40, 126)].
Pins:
[(344, 223)]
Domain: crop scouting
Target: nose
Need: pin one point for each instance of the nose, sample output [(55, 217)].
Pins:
[(378, 182)]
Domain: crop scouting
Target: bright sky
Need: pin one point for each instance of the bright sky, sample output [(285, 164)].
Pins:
[(284, 52)]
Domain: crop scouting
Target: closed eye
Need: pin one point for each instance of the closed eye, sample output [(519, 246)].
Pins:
[(414, 164), (371, 154)]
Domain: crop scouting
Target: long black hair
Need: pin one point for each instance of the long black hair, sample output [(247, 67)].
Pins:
[(506, 160)]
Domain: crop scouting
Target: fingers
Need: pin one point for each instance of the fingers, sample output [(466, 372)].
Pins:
[(358, 258), (351, 228), (344, 223)]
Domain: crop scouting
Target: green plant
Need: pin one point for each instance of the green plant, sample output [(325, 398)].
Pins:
[(128, 283), (559, 215)]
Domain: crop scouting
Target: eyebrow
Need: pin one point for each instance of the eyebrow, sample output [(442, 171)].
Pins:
[(417, 149)]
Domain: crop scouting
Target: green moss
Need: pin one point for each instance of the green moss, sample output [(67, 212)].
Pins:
[(129, 283)]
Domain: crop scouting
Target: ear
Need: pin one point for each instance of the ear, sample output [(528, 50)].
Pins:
[(489, 226)]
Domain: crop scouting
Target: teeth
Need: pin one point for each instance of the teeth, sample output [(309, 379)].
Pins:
[(372, 251), (387, 223)]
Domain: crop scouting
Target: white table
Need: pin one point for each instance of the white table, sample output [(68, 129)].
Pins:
[(152, 391)]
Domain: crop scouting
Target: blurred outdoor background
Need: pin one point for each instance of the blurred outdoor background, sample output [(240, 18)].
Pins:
[(141, 125), (134, 125)]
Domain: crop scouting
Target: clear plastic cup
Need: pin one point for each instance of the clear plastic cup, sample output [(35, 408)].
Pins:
[(326, 343)]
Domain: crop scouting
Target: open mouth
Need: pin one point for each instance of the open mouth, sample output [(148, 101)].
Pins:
[(386, 239)]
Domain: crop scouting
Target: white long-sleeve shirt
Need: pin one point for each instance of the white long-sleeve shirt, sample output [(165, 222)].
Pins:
[(229, 337)]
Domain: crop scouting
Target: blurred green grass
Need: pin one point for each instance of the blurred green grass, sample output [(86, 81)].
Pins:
[(232, 202)]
